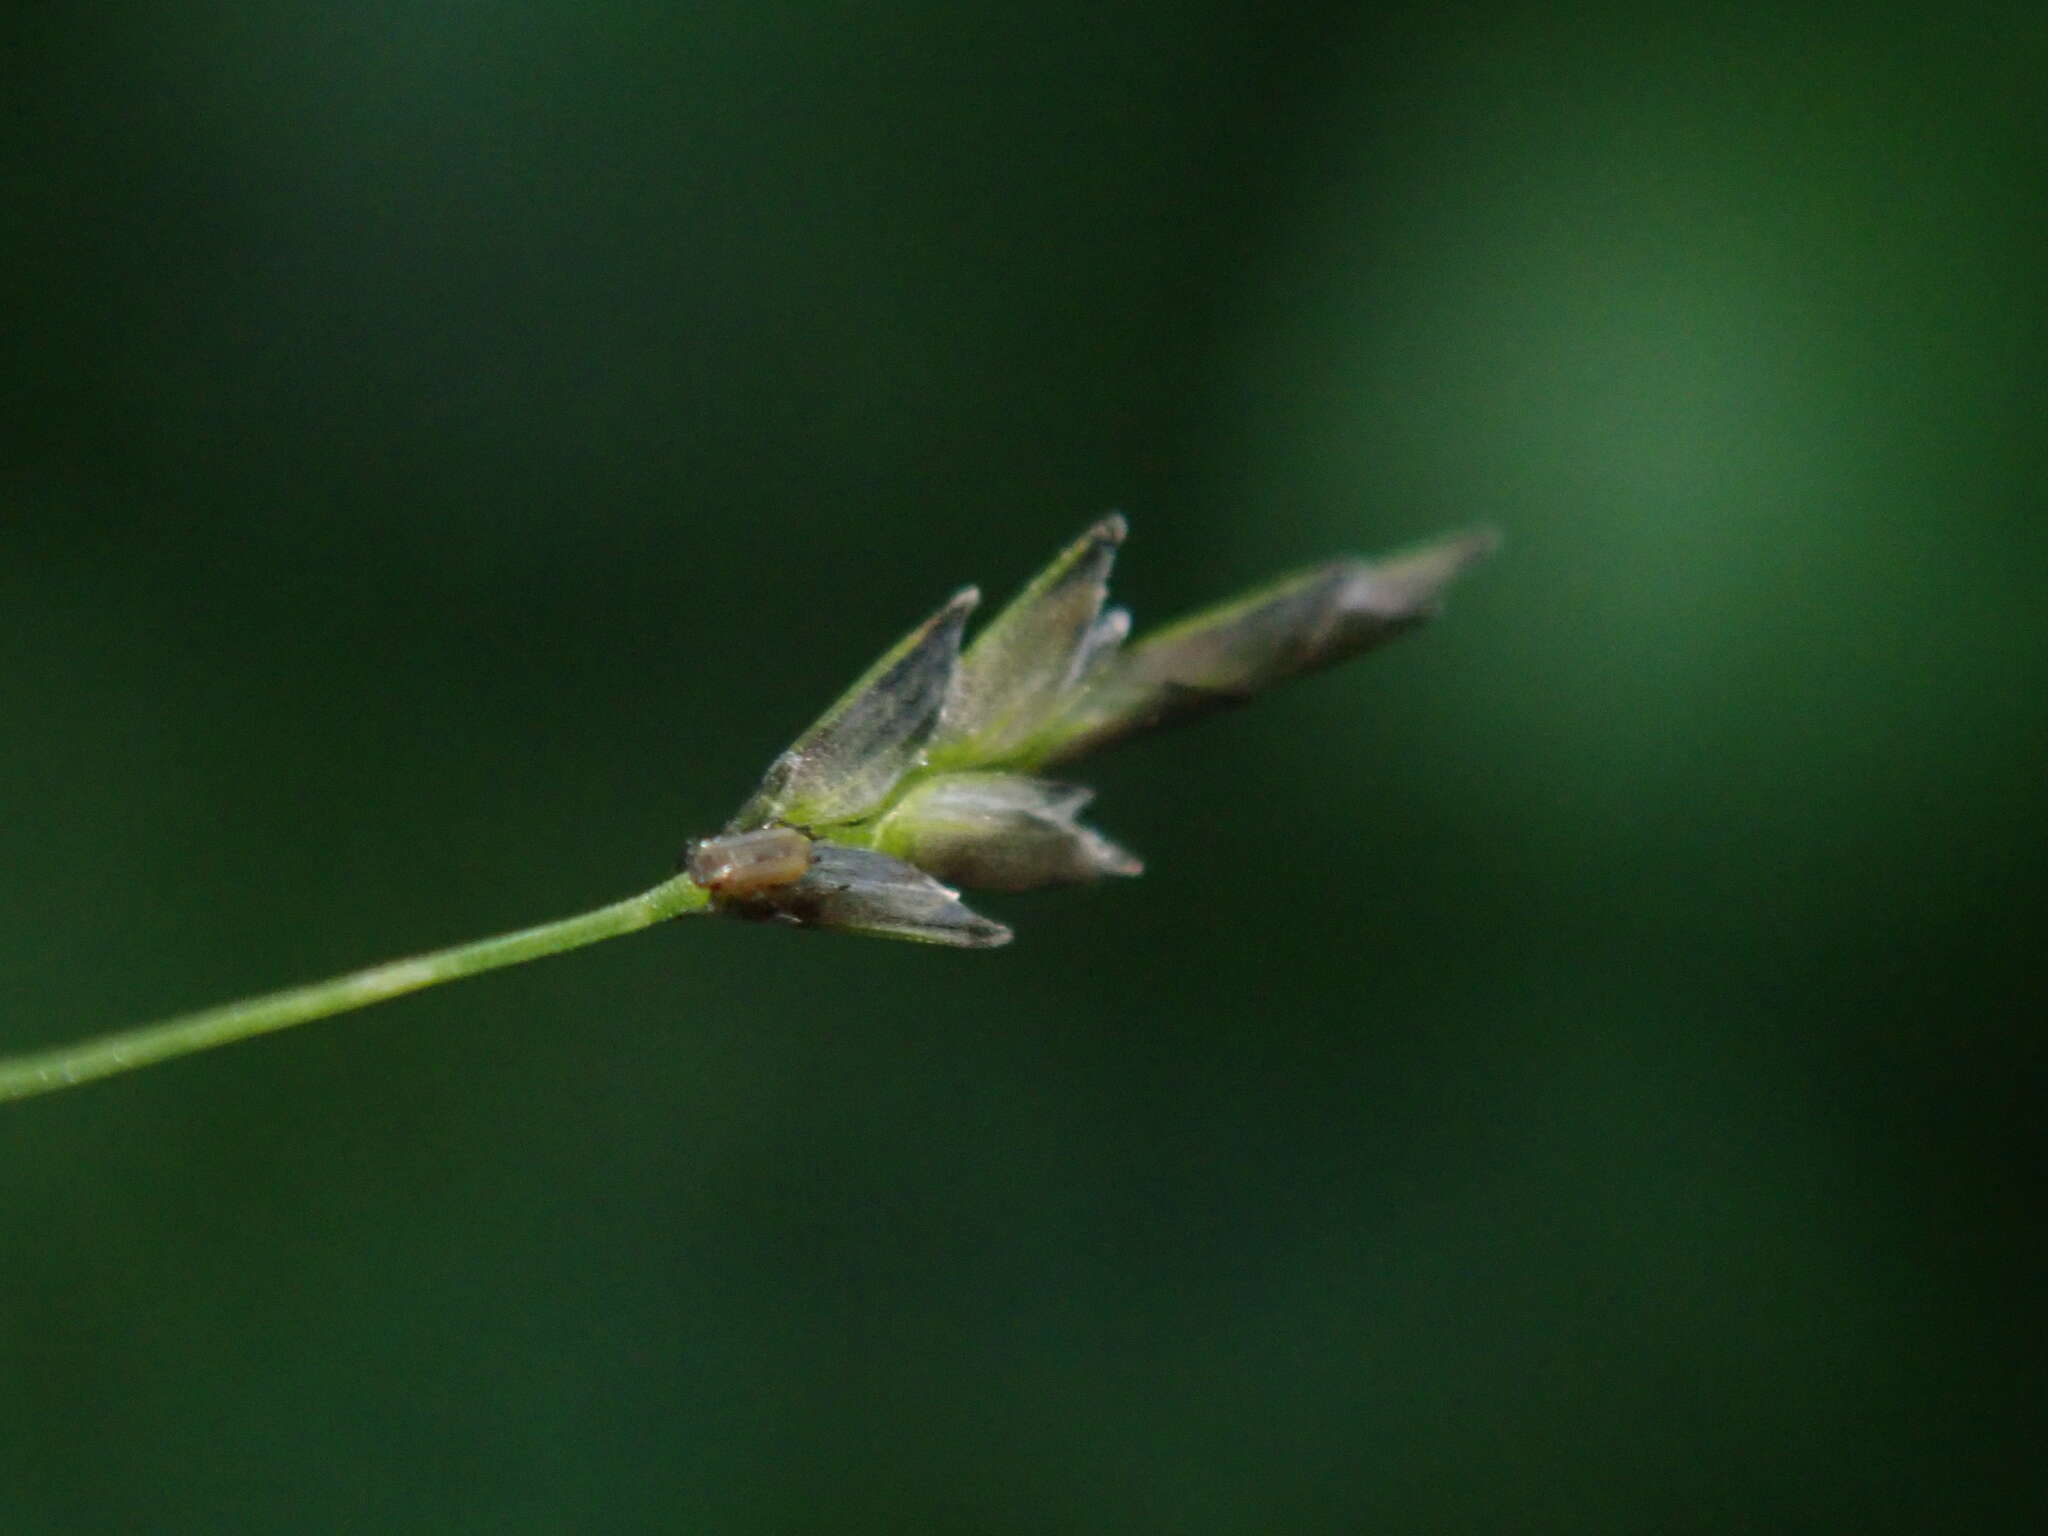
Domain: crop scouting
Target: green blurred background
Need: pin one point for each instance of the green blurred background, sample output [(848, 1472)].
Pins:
[(1568, 1073)]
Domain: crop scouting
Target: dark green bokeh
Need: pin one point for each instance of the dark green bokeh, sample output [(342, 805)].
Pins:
[(448, 451)]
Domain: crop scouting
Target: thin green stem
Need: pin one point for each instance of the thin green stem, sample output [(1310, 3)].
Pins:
[(66, 1066)]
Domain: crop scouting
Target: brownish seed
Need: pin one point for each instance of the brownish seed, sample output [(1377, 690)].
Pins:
[(744, 863)]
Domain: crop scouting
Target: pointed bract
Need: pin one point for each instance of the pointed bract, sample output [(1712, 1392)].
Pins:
[(1105, 639), (847, 763), (857, 890), (1000, 832), (1225, 655), (1023, 664)]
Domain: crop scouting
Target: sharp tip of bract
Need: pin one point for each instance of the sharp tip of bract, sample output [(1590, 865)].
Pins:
[(962, 602), (1478, 542), (1432, 566), (1111, 530), (1452, 554), (1450, 551)]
